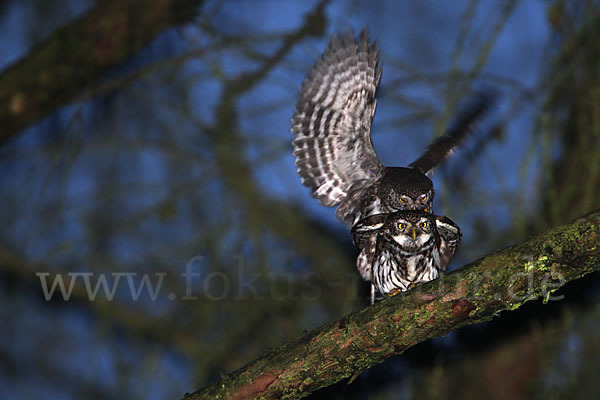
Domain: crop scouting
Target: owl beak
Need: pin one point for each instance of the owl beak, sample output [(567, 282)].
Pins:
[(413, 233)]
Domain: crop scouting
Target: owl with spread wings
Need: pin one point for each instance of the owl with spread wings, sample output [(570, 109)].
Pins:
[(333, 148)]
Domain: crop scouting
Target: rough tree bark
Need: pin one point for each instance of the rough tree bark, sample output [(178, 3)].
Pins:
[(477, 292), (76, 56)]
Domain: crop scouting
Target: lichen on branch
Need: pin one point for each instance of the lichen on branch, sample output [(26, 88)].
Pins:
[(501, 281)]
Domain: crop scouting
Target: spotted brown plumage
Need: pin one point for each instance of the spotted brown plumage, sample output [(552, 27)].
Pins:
[(401, 249)]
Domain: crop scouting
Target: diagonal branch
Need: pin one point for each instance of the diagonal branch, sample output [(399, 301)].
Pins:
[(501, 281), (76, 56)]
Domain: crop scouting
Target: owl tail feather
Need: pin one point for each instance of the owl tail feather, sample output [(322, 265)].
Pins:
[(442, 147)]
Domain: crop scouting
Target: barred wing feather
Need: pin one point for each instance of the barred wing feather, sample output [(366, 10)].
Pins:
[(332, 120)]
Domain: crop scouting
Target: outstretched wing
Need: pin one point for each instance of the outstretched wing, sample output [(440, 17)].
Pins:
[(332, 120), (450, 236), (442, 147)]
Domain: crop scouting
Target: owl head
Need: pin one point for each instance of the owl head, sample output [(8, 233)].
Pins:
[(407, 189), (412, 230)]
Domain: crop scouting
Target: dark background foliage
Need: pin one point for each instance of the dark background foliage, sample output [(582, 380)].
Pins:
[(178, 158)]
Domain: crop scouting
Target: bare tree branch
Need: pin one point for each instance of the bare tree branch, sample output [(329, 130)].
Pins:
[(76, 56), (501, 281)]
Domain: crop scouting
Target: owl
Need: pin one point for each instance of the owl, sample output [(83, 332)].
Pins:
[(404, 248), (332, 137)]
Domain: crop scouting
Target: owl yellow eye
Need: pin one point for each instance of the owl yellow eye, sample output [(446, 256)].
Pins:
[(402, 201), (423, 199), (426, 209), (424, 225), (401, 226)]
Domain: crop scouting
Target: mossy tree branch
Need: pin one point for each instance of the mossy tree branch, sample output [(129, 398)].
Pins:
[(76, 56), (477, 292)]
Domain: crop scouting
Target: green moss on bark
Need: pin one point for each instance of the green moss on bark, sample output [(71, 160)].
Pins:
[(501, 281)]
